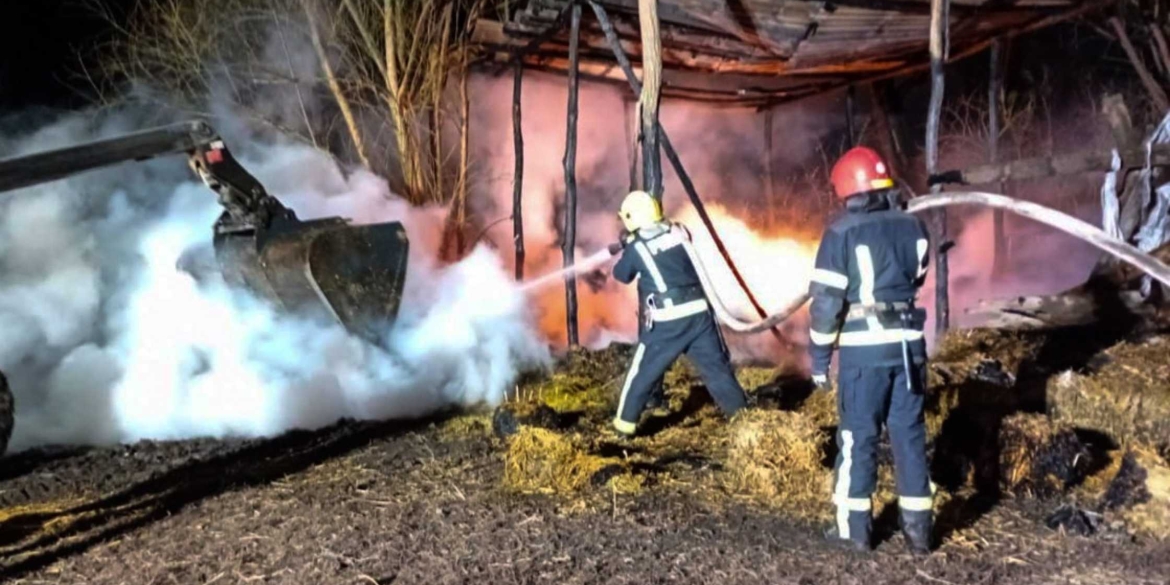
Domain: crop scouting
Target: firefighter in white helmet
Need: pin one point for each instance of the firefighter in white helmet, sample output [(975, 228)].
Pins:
[(678, 318)]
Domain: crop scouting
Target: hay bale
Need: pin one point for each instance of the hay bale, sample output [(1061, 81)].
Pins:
[(940, 402), (566, 393), (540, 460), (964, 354), (1141, 493), (775, 457), (1127, 398), (583, 381), (473, 425), (682, 375), (753, 378), (821, 408), (508, 418), (602, 364), (1038, 457), (1096, 485)]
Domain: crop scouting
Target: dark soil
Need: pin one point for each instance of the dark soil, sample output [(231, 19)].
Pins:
[(395, 503)]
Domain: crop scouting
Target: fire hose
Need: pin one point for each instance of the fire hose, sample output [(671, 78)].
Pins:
[(1046, 215)]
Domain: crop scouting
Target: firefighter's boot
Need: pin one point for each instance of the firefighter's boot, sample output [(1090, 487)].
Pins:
[(856, 533), (917, 529)]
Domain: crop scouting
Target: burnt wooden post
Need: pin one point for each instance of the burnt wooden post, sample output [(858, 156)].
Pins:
[(632, 133), (939, 15), (624, 61), (849, 122), (570, 163), (994, 89), (883, 127), (650, 94), (518, 169)]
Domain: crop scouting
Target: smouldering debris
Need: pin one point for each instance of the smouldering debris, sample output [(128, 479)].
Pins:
[(1141, 492), (1038, 457)]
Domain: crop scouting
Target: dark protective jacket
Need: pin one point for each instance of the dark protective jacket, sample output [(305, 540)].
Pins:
[(872, 257), (666, 276)]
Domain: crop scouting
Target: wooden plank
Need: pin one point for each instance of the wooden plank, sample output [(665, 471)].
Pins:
[(1052, 166)]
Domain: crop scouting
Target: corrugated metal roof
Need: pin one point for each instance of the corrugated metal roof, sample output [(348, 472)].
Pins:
[(772, 49)]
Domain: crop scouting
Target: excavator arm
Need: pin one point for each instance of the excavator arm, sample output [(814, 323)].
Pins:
[(247, 206), (353, 275)]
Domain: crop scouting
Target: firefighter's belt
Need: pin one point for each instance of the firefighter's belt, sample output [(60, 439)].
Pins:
[(677, 296), (675, 303), (880, 310)]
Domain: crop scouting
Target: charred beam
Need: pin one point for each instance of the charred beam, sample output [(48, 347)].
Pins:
[(570, 163), (545, 36), (518, 169), (1052, 166), (850, 125)]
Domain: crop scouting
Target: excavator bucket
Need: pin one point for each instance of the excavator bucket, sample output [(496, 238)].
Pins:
[(351, 274)]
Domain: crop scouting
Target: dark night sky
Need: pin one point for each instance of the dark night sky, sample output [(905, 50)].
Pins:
[(39, 45)]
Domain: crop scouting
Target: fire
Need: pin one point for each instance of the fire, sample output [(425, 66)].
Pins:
[(776, 267)]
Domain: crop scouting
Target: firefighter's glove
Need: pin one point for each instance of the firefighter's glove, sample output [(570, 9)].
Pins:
[(821, 381)]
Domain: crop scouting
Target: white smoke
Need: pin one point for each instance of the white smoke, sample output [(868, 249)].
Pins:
[(104, 340)]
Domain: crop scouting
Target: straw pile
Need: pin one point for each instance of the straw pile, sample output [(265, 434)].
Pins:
[(964, 353), (543, 461), (821, 408), (1140, 492), (1038, 457), (775, 457), (940, 402), (1127, 398)]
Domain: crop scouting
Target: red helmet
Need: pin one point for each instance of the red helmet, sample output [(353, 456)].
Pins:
[(860, 170)]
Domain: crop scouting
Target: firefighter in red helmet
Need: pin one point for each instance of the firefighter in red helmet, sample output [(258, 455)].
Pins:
[(869, 267)]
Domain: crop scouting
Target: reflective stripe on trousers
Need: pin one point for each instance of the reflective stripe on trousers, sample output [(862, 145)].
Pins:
[(870, 398)]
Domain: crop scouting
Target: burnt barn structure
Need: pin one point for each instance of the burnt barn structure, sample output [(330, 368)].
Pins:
[(755, 54)]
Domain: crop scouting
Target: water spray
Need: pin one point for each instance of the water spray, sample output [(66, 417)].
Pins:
[(590, 263)]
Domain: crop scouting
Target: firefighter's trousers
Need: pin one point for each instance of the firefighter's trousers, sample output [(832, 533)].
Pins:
[(699, 338), (867, 399), (658, 389)]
